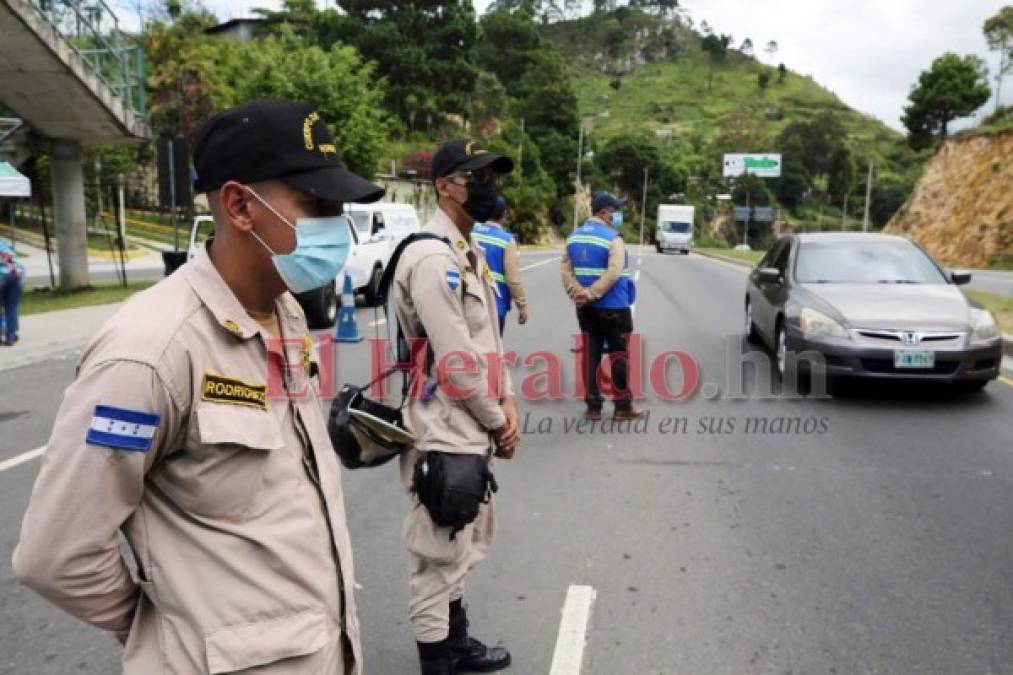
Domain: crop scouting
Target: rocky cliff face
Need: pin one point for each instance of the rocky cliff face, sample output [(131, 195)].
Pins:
[(961, 211)]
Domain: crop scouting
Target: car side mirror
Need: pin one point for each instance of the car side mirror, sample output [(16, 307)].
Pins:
[(960, 277), (769, 275)]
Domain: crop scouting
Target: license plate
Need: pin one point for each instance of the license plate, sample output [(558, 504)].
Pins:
[(913, 359)]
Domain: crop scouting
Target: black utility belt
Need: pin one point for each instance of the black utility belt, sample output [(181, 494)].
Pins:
[(453, 486)]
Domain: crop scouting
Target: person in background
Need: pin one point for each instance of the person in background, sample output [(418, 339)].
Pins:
[(12, 283), (596, 275), (504, 260)]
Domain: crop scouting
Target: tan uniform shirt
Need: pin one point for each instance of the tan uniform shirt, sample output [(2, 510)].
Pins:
[(512, 272), (234, 515), (597, 290), (446, 293)]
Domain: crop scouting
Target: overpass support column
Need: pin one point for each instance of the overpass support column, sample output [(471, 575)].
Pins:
[(69, 214)]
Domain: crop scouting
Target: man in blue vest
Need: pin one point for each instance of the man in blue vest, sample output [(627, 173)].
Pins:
[(504, 261), (596, 276)]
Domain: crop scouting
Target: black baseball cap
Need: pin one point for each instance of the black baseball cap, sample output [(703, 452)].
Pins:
[(276, 139), (465, 155), (602, 199)]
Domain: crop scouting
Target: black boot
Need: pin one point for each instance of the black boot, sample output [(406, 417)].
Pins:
[(435, 658), (470, 655)]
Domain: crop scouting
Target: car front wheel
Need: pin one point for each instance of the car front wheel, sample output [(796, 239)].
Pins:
[(751, 333), (373, 287), (320, 306)]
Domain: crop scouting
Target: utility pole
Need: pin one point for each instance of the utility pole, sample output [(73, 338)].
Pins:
[(520, 148), (868, 198), (643, 212), (745, 226), (580, 156)]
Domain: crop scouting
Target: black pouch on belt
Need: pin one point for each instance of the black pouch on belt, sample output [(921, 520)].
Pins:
[(452, 487)]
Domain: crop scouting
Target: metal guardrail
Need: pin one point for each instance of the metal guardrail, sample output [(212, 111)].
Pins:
[(92, 29)]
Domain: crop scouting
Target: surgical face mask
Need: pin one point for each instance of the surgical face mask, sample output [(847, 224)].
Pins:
[(481, 202), (321, 249), (617, 219)]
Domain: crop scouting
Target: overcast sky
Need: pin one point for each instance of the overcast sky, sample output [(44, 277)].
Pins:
[(868, 52)]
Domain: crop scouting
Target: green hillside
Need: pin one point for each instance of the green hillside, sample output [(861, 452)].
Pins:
[(637, 74), (672, 94)]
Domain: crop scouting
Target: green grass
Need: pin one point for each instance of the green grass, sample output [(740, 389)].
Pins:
[(1001, 307), (37, 302), (748, 256), (1002, 263)]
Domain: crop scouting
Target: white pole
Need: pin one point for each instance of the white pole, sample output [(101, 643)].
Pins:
[(123, 218), (643, 212), (868, 198), (520, 149), (580, 155)]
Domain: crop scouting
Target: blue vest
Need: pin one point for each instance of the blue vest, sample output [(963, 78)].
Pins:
[(588, 248), (494, 241)]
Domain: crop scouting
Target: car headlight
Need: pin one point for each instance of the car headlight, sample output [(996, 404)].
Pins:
[(983, 326), (819, 324)]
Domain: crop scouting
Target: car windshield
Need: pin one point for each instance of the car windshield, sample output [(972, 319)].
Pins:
[(361, 220), (676, 227), (865, 262)]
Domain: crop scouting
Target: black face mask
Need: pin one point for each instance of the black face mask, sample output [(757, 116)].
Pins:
[(481, 202)]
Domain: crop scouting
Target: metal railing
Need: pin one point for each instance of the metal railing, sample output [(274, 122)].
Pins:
[(93, 31)]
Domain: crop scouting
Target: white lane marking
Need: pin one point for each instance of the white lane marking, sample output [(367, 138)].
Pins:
[(21, 459), (378, 322), (540, 263), (572, 636)]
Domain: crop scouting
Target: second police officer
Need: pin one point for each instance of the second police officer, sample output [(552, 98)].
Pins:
[(443, 291)]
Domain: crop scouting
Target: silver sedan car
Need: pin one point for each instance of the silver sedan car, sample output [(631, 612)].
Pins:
[(872, 306)]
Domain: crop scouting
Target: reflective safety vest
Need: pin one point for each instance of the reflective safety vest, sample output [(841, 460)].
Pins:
[(588, 248), (494, 240)]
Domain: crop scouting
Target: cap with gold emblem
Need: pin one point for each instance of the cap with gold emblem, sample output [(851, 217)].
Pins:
[(465, 155), (276, 139)]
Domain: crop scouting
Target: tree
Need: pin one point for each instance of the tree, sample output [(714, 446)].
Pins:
[(807, 150), (195, 76), (953, 87), (746, 47), (762, 80), (998, 31), (425, 50), (782, 73), (771, 49), (624, 158), (717, 49)]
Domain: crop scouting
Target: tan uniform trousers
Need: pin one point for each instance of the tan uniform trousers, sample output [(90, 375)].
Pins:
[(438, 567)]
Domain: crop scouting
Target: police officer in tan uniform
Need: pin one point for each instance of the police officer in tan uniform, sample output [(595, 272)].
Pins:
[(466, 410), (193, 427)]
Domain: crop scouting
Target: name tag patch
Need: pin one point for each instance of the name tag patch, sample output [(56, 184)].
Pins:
[(122, 429), (221, 389)]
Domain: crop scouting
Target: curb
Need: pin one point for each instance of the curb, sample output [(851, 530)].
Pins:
[(715, 256)]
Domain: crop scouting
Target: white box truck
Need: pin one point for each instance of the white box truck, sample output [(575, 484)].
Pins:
[(675, 228)]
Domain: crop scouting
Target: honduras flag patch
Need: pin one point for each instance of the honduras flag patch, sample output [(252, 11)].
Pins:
[(453, 277), (122, 429)]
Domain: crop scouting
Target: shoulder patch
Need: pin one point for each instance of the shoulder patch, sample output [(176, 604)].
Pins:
[(453, 276), (232, 391), (122, 429)]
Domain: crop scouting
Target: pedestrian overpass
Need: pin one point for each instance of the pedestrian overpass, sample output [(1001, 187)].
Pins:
[(71, 76)]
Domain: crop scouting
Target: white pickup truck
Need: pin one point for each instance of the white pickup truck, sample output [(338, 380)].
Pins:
[(373, 230)]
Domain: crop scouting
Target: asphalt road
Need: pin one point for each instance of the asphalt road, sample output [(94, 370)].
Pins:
[(877, 543)]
